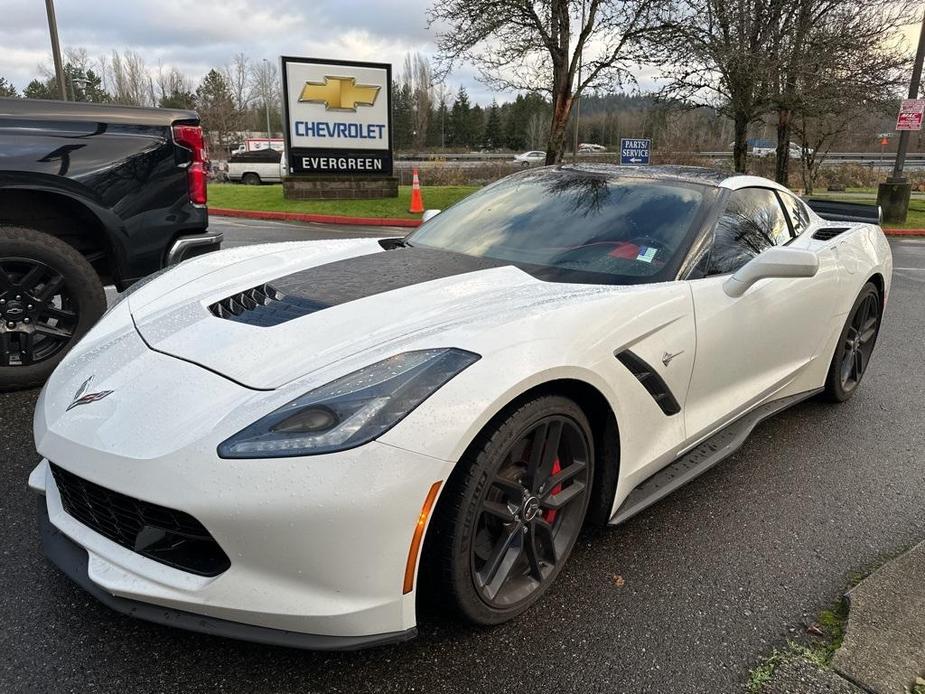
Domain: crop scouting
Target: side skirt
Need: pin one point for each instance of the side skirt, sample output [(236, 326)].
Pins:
[(701, 458)]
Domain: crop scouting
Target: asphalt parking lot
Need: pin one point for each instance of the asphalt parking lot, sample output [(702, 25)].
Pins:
[(685, 597)]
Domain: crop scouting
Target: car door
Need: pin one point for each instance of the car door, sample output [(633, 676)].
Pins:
[(752, 346)]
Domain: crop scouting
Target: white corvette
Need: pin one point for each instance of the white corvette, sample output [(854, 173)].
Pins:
[(284, 443)]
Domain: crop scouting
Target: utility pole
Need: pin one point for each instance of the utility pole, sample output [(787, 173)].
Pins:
[(893, 196), (266, 102), (578, 98), (56, 49)]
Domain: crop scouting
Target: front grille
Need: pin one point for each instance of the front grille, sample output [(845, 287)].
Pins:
[(264, 306), (165, 535)]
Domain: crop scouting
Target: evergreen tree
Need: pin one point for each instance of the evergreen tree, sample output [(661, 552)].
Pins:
[(461, 133), (179, 98), (492, 137), (6, 88), (402, 117), (216, 108), (38, 89)]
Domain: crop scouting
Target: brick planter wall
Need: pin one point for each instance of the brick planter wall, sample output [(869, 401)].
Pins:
[(339, 187)]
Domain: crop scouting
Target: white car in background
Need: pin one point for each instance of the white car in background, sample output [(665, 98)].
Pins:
[(256, 167), (284, 442), (796, 151), (588, 147), (532, 157)]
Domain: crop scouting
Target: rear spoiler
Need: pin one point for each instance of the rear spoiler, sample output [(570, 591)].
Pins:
[(838, 211)]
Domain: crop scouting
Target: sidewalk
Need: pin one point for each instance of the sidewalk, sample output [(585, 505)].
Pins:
[(883, 651)]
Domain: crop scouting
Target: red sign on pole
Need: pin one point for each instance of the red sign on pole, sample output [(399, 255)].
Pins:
[(910, 114)]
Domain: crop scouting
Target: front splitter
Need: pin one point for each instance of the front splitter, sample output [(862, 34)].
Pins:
[(72, 559)]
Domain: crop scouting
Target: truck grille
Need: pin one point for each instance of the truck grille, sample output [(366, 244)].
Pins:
[(165, 535)]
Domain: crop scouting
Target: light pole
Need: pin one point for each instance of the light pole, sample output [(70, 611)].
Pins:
[(266, 101), (893, 196), (56, 49), (578, 98)]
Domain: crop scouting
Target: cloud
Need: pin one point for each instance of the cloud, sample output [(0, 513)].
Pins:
[(198, 36)]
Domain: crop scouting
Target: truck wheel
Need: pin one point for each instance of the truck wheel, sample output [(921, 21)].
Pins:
[(250, 179), (50, 297)]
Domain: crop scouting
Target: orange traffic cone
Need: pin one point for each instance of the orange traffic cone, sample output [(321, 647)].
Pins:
[(417, 202)]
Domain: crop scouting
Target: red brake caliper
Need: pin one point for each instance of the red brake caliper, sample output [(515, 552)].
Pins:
[(550, 515)]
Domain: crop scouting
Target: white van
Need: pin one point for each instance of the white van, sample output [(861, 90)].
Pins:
[(254, 168)]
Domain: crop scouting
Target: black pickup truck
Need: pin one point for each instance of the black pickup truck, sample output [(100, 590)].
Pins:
[(90, 195)]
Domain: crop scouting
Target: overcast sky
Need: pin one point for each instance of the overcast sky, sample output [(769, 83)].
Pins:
[(195, 35)]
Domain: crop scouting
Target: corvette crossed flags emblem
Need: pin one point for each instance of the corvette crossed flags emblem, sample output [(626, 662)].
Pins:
[(82, 397), (339, 93)]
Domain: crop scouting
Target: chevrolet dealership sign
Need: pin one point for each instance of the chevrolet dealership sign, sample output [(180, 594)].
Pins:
[(338, 117)]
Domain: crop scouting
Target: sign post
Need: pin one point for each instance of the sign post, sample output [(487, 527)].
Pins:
[(338, 129), (893, 195), (634, 151)]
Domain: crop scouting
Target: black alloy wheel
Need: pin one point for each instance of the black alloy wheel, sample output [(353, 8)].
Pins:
[(37, 309), (50, 296), (516, 509), (856, 345)]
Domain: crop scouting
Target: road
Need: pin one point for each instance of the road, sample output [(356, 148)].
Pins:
[(713, 577)]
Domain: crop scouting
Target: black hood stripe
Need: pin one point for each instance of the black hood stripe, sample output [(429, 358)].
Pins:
[(307, 291)]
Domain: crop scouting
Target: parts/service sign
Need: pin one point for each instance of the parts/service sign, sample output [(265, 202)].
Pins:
[(338, 117)]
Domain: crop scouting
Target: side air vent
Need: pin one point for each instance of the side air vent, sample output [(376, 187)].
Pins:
[(827, 233), (651, 381), (263, 306)]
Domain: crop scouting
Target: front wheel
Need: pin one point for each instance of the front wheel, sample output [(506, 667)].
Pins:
[(855, 345), (511, 515), (49, 297)]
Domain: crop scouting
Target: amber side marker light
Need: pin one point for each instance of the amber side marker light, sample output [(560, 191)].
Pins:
[(418, 536)]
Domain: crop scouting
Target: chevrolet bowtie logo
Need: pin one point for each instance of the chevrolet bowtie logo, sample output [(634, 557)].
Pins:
[(339, 93)]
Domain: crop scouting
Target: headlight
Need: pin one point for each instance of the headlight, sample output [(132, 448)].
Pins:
[(350, 411)]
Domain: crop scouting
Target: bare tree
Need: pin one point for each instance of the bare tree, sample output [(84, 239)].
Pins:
[(538, 45), (238, 78), (129, 80), (265, 87), (418, 75), (853, 44), (716, 54)]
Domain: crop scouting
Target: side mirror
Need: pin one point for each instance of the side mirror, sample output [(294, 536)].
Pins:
[(774, 262), (429, 214)]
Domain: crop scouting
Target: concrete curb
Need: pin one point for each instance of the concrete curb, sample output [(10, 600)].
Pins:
[(884, 646), (391, 221), (883, 649), (317, 218)]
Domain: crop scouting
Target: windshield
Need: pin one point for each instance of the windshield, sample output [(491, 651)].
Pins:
[(574, 226)]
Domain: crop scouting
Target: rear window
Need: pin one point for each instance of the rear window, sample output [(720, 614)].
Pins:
[(261, 156)]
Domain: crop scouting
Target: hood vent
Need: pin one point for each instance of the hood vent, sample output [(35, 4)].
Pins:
[(827, 233), (263, 306)]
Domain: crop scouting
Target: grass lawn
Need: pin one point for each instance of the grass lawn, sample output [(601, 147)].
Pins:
[(914, 220), (270, 199)]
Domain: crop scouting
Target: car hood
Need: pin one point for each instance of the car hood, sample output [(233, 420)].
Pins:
[(263, 320)]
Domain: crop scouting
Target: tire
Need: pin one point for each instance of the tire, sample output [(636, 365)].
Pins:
[(45, 313), (250, 179), (472, 542), (855, 346)]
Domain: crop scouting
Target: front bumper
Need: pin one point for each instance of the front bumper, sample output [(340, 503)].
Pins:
[(73, 560)]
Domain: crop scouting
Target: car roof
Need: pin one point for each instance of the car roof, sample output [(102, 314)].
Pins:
[(684, 174)]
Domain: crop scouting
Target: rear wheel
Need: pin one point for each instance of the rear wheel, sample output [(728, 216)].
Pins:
[(49, 297), (250, 179), (855, 345), (511, 517)]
